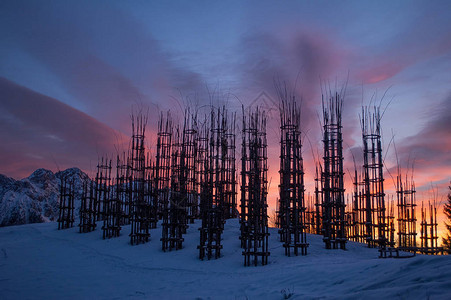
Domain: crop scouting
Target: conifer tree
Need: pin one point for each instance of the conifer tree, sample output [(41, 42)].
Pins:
[(447, 211)]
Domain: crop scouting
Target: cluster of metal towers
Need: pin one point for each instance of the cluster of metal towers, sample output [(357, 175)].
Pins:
[(365, 215), (194, 176)]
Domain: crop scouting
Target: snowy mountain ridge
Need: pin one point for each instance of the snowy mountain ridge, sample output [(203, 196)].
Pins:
[(35, 199)]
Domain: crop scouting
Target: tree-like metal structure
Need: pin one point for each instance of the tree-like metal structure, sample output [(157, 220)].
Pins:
[(310, 214), (212, 212), (87, 208), (406, 202), (102, 187), (189, 156), (254, 217), (202, 166), (390, 221), (334, 231), (349, 217), (319, 198), (373, 178), (163, 164), (149, 192), (66, 204), (362, 212), (140, 206), (111, 205), (217, 156), (217, 160), (174, 216), (229, 151), (428, 231), (122, 190), (210, 232), (291, 213), (357, 209)]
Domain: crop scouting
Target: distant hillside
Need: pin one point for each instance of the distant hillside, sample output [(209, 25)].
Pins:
[(35, 199)]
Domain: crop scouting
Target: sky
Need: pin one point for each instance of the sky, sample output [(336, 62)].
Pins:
[(72, 72)]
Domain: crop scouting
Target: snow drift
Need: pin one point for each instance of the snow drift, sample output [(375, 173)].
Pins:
[(39, 262)]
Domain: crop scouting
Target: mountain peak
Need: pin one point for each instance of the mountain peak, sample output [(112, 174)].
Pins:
[(41, 174), (36, 198), (71, 173)]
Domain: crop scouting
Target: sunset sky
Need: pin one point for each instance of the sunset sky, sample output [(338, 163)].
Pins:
[(71, 71)]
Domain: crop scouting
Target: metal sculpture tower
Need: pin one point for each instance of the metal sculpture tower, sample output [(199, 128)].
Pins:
[(375, 211), (407, 232), (334, 231), (66, 204), (141, 208), (292, 208), (254, 216), (87, 208)]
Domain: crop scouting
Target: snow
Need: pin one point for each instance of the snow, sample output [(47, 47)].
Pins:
[(39, 262)]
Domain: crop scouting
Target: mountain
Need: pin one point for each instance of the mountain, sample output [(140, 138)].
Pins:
[(35, 199)]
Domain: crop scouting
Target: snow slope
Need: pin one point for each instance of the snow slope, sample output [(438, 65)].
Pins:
[(39, 262)]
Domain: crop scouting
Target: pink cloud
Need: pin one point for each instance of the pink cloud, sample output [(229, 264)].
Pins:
[(39, 131), (379, 71)]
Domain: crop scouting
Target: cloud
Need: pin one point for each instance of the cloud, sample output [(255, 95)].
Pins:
[(105, 61), (301, 60), (102, 57), (430, 147), (309, 56), (424, 36), (39, 131)]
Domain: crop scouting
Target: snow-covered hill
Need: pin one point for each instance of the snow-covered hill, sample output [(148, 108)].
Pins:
[(35, 199), (39, 262)]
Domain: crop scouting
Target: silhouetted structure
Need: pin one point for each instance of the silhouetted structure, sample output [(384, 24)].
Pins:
[(211, 229), (174, 216), (390, 221), (202, 165), (217, 161), (99, 191), (310, 214), (123, 188), (446, 240), (407, 232), (428, 232), (291, 213), (254, 217), (140, 207), (150, 195), (334, 230), (66, 204), (189, 149), (349, 217), (218, 189), (111, 204), (212, 213), (319, 199), (229, 151), (87, 208), (375, 218), (358, 207), (163, 164)]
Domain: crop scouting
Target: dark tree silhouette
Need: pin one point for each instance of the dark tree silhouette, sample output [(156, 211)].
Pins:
[(447, 211)]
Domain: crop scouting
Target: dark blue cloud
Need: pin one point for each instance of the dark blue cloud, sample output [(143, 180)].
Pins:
[(102, 56)]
